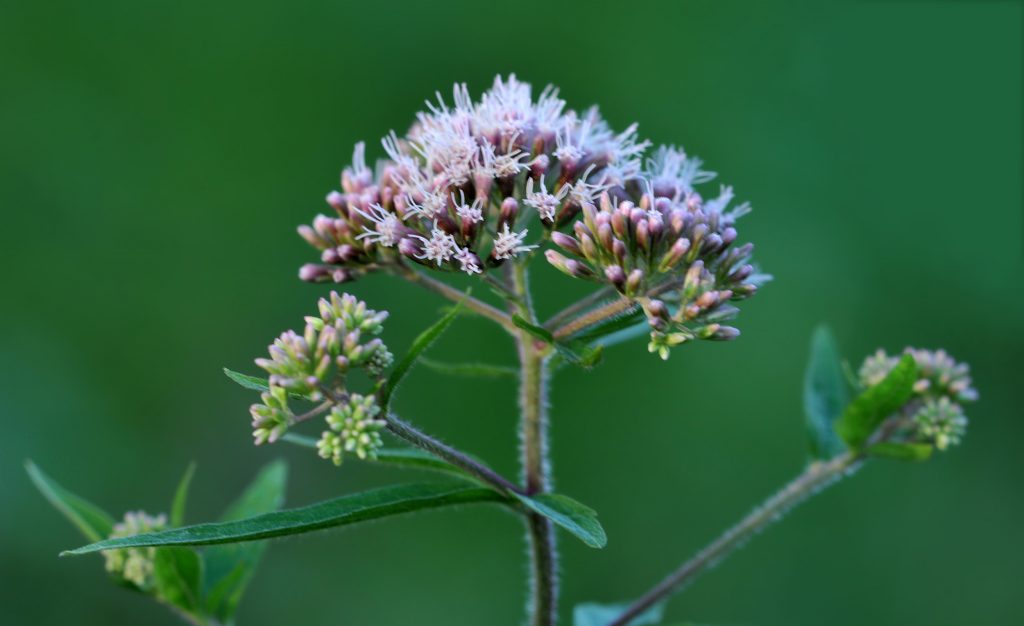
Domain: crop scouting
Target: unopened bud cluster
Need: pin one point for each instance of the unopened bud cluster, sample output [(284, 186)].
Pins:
[(662, 238), (314, 366), (354, 427), (134, 565), (937, 416)]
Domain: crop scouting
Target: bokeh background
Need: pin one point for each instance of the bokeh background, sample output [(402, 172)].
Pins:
[(157, 157)]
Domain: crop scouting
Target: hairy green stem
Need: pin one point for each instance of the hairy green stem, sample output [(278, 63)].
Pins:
[(418, 438), (543, 603), (478, 306), (817, 476)]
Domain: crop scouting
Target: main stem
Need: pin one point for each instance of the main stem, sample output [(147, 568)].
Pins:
[(543, 603), (812, 480)]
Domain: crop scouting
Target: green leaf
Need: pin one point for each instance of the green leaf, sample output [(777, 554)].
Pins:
[(92, 521), (591, 614), (350, 509), (419, 345), (870, 408), (412, 458), (256, 383), (579, 519), (229, 568), (177, 575), (902, 451), (825, 395), (576, 352), (181, 496), (470, 370)]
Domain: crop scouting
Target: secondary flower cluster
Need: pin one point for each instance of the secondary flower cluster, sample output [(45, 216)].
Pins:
[(134, 565), (314, 366), (942, 385)]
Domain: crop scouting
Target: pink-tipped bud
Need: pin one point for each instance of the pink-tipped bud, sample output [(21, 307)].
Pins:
[(313, 239), (313, 273), (337, 201), (616, 276), (509, 209), (567, 243), (674, 254), (634, 282)]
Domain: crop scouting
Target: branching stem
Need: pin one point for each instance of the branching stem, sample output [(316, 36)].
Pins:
[(418, 438), (813, 479), (476, 305)]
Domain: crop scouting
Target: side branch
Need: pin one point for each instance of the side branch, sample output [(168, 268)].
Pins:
[(811, 481), (418, 438), (609, 310), (443, 289)]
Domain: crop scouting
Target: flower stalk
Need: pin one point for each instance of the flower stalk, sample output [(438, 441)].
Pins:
[(543, 602), (811, 481)]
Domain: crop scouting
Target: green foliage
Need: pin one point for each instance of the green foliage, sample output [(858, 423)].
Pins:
[(412, 458), (200, 585), (902, 451), (873, 405), (256, 383), (591, 614), (419, 346), (576, 352), (181, 496), (92, 521), (825, 395), (342, 511), (470, 370), (229, 568), (579, 519)]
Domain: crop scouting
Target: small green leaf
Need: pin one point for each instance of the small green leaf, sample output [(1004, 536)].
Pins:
[(575, 352), (591, 614), (256, 383), (825, 395), (579, 519), (181, 496), (470, 370), (870, 408), (229, 568), (419, 345), (177, 574), (350, 509), (91, 520), (902, 451)]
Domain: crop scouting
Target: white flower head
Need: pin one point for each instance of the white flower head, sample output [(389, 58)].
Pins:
[(508, 244), (385, 228), (494, 165), (468, 262), (473, 213), (546, 203), (439, 248), (583, 192)]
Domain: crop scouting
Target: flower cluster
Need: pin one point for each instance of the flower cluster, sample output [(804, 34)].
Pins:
[(354, 427), (134, 565), (314, 365), (942, 385), (451, 192)]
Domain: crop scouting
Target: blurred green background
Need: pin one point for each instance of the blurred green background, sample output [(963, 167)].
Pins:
[(157, 157)]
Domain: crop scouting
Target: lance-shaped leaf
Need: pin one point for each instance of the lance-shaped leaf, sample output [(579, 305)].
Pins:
[(902, 451), (579, 519), (256, 383), (411, 458), (825, 395), (419, 346), (92, 521), (575, 352), (229, 568), (181, 496), (470, 370), (343, 511), (870, 408)]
